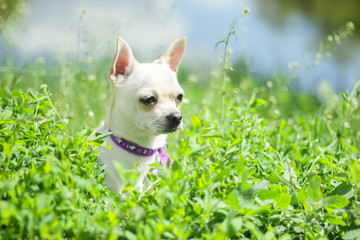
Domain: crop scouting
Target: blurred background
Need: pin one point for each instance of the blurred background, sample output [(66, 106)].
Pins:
[(277, 36), (314, 43)]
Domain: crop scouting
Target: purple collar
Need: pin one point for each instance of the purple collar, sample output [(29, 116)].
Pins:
[(142, 151)]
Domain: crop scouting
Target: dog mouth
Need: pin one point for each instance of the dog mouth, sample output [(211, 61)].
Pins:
[(162, 129), (170, 130)]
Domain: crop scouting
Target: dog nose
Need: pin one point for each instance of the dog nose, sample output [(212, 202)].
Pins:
[(174, 118)]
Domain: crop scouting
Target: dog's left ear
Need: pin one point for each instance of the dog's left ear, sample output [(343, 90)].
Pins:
[(174, 54)]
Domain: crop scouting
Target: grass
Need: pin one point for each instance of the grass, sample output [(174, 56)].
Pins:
[(266, 162)]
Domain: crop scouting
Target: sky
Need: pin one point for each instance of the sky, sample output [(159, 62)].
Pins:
[(150, 26)]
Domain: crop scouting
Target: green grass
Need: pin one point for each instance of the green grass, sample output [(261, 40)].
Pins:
[(256, 160), (274, 169)]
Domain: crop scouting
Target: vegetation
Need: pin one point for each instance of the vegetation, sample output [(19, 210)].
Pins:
[(266, 162), (328, 14)]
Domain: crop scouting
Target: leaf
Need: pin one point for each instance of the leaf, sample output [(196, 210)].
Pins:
[(195, 121), (355, 170), (354, 90), (333, 219), (313, 188), (259, 102), (129, 235), (267, 194), (262, 185), (345, 96), (7, 149), (233, 201), (301, 194), (237, 141), (251, 100), (206, 174), (283, 200), (342, 189), (222, 175), (336, 201), (255, 102), (285, 237), (233, 148), (259, 211), (167, 235), (254, 230), (235, 224), (350, 235), (326, 162), (182, 187), (5, 115), (283, 125), (290, 174), (270, 235)]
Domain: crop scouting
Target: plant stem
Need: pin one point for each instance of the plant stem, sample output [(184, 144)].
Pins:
[(226, 65)]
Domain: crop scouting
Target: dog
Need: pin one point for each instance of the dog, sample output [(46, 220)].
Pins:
[(143, 110)]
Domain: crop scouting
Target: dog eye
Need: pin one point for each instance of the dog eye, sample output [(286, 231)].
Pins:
[(148, 101), (179, 97)]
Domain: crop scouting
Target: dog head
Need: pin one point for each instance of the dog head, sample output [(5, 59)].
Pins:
[(146, 96)]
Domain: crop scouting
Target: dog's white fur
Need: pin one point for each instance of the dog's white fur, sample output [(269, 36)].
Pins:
[(130, 118)]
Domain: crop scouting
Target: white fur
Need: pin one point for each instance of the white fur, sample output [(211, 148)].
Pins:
[(129, 118)]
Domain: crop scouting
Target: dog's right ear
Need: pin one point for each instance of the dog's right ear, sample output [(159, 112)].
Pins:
[(174, 54), (124, 61)]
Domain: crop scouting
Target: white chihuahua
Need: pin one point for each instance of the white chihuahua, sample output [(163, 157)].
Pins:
[(144, 108)]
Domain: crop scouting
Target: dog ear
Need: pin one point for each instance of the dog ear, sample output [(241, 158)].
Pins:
[(174, 54), (124, 61)]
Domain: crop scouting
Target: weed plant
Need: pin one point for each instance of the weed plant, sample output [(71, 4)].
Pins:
[(273, 163)]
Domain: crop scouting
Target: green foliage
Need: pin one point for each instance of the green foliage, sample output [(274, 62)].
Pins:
[(327, 14), (283, 177), (10, 9), (49, 183), (253, 178)]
